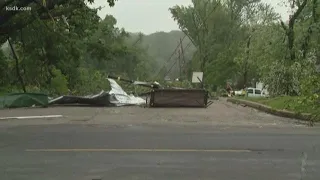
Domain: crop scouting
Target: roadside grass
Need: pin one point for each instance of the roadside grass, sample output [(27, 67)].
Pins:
[(2, 92), (298, 105), (290, 103)]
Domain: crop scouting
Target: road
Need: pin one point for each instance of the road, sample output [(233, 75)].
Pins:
[(222, 142)]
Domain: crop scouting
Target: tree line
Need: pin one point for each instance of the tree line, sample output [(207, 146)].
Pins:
[(246, 41), (66, 49)]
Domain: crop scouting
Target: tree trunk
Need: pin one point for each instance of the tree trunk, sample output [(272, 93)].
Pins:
[(290, 44), (305, 44), (17, 66), (245, 74), (290, 30)]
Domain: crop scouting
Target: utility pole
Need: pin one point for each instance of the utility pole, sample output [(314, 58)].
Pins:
[(182, 59), (179, 60), (171, 56)]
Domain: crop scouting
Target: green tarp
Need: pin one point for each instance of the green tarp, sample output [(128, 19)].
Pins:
[(17, 100)]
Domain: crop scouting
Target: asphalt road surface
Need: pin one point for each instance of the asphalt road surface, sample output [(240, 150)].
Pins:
[(223, 142)]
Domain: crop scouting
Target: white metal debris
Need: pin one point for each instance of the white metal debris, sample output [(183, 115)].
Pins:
[(121, 97)]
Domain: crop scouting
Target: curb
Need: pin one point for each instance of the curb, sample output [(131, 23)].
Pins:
[(268, 109)]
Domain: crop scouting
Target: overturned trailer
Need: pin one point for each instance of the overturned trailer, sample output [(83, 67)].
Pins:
[(179, 98), (172, 97)]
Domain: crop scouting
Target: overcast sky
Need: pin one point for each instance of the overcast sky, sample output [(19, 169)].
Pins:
[(149, 16)]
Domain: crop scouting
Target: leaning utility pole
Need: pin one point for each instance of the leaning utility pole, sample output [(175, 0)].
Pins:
[(179, 60), (171, 56), (183, 65)]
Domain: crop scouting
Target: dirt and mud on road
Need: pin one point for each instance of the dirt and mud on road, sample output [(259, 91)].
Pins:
[(220, 113)]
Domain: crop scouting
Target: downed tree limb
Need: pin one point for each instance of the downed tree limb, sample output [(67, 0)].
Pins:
[(17, 66)]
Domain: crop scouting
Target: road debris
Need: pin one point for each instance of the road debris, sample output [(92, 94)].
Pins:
[(172, 96), (115, 97)]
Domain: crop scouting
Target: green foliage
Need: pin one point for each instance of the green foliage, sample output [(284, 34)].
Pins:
[(69, 50), (4, 64), (221, 37), (59, 83), (242, 42), (90, 82), (178, 84)]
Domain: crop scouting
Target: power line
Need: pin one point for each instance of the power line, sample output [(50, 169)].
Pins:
[(205, 19), (175, 62), (176, 48), (185, 48), (174, 52)]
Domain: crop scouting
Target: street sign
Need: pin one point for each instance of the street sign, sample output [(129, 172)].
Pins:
[(197, 77)]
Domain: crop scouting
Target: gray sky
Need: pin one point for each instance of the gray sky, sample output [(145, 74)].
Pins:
[(149, 16)]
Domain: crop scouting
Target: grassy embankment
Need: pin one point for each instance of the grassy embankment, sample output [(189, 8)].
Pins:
[(294, 104)]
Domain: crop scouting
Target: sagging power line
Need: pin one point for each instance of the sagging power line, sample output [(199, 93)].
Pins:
[(180, 44)]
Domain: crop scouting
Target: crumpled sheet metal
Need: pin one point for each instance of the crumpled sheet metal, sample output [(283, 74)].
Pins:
[(115, 97)]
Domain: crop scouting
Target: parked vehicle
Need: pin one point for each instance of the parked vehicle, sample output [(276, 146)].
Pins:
[(240, 92), (263, 88), (254, 92)]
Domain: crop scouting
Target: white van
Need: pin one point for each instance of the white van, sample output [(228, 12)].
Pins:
[(254, 92)]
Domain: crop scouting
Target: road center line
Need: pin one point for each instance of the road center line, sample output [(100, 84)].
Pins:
[(139, 150), (31, 117)]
